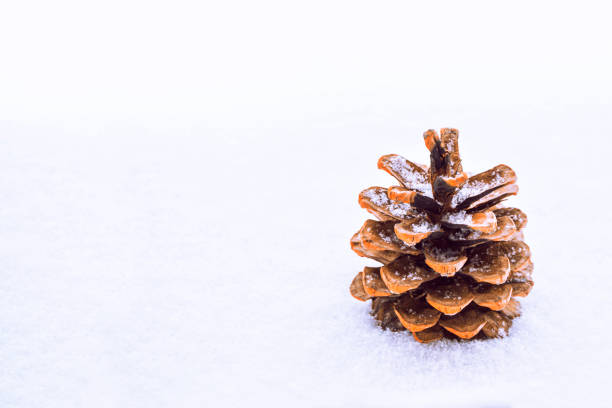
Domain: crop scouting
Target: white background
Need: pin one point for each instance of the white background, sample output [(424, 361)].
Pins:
[(179, 185)]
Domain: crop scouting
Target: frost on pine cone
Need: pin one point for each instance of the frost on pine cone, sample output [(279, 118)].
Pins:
[(453, 256)]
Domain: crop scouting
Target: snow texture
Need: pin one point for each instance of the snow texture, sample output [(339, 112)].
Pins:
[(412, 179), (133, 273), (397, 209), (422, 225), (460, 217), (474, 188), (179, 186)]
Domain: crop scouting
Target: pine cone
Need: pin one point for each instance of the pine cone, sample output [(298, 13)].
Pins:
[(453, 257)]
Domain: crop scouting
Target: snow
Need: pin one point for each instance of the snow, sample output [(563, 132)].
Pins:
[(422, 225), (385, 238), (412, 179), (133, 272), (179, 187), (474, 188), (397, 209), (460, 217)]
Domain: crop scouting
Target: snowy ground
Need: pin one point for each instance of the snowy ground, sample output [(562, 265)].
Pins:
[(181, 270), (177, 204)]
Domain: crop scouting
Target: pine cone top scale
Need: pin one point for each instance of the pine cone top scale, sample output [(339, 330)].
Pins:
[(453, 256)]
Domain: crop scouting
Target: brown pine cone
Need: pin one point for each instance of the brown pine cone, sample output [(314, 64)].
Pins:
[(453, 257)]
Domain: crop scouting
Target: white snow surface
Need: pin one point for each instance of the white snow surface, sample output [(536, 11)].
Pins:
[(179, 186), (150, 269)]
